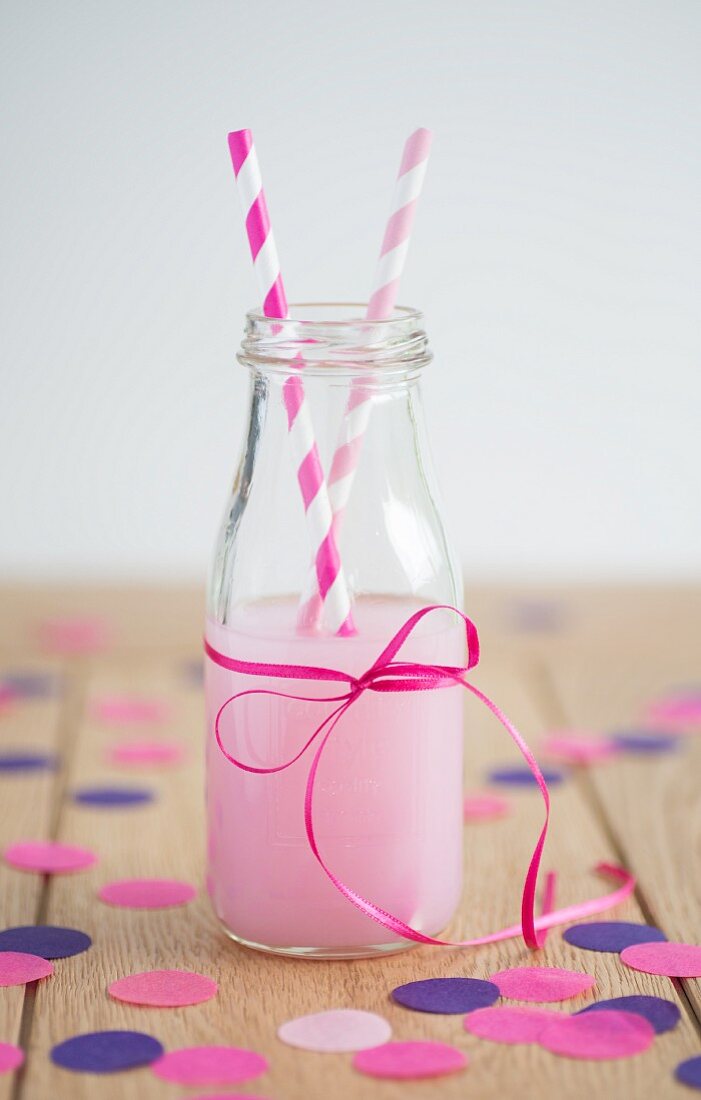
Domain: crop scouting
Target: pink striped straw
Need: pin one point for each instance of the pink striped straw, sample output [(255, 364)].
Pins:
[(332, 589), (395, 245)]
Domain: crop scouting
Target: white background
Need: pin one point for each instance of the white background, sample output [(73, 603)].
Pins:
[(556, 256)]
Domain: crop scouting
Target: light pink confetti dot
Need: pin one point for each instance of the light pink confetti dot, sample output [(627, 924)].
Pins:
[(210, 1066), (18, 968), (146, 893), (145, 752), (11, 1057), (48, 857), (598, 1036), (578, 748), (674, 960), (74, 634), (164, 988), (410, 1060), (484, 807), (509, 1023), (541, 983), (337, 1031), (124, 709)]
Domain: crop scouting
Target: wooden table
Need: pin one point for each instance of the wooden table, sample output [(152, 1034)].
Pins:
[(578, 657)]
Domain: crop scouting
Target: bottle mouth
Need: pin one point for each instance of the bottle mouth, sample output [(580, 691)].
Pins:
[(336, 337)]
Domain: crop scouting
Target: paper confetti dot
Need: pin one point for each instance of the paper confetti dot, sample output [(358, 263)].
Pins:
[(522, 777), (446, 995), (611, 935), (48, 857), (106, 1051), (164, 988), (124, 709), (337, 1031), (410, 1059), (645, 741), (662, 1014), (689, 1072), (145, 752), (146, 893), (113, 796), (210, 1066), (577, 748), (509, 1023), (30, 685), (74, 634), (27, 760), (484, 807), (18, 968), (682, 708), (47, 940), (11, 1057), (598, 1035), (675, 960), (541, 983)]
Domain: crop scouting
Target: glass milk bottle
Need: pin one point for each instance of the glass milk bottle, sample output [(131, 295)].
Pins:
[(387, 802)]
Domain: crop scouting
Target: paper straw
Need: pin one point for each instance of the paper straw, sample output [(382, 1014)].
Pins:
[(383, 299), (332, 589)]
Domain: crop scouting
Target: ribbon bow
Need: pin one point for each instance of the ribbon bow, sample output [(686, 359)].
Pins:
[(389, 675)]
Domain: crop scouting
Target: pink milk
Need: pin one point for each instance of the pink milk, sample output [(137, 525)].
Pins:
[(388, 796)]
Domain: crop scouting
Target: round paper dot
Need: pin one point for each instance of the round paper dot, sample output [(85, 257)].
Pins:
[(675, 960), (541, 983), (645, 741), (163, 988), (689, 1072), (46, 940), (611, 935), (126, 709), (146, 893), (18, 968), (30, 685), (484, 807), (680, 709), (410, 1059), (48, 857), (106, 1051), (598, 1035), (522, 777), (26, 760), (446, 995), (662, 1014), (337, 1031), (112, 796), (145, 752), (577, 748), (11, 1057), (74, 634), (509, 1023), (210, 1066)]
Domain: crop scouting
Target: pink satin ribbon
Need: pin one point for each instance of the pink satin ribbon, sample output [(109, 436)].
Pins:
[(390, 675)]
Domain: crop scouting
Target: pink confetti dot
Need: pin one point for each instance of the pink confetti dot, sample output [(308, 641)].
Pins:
[(678, 710), (509, 1023), (48, 857), (11, 1057), (675, 960), (146, 893), (541, 983), (18, 968), (578, 748), (410, 1059), (484, 807), (145, 752), (123, 709), (336, 1031), (73, 634), (164, 988), (599, 1035), (209, 1066)]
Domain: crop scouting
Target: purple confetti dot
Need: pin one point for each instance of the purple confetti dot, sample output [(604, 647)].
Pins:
[(446, 995), (689, 1072), (46, 940), (662, 1014), (31, 685), (522, 777), (642, 741), (613, 935), (106, 1051), (113, 796), (27, 761)]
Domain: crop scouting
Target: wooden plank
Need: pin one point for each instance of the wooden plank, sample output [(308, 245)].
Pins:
[(257, 993)]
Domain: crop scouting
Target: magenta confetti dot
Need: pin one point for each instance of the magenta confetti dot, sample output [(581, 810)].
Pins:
[(682, 708), (675, 960), (164, 988), (611, 935), (18, 968), (484, 807), (109, 797), (214, 1065), (11, 1057), (662, 1014), (48, 857), (138, 753), (541, 983), (510, 1023), (126, 709), (338, 1030), (689, 1072), (598, 1036), (523, 777), (47, 940), (410, 1060), (446, 995), (577, 748), (106, 1051), (146, 893), (27, 760)]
